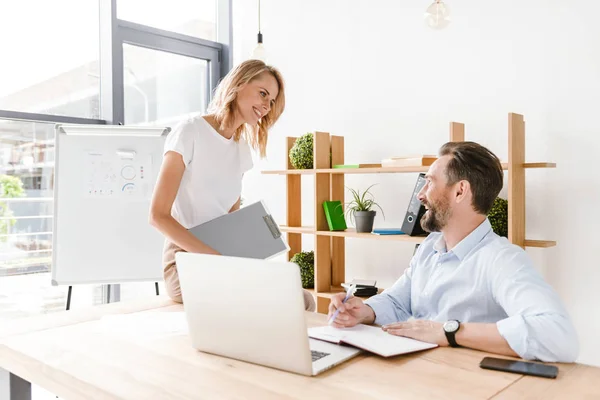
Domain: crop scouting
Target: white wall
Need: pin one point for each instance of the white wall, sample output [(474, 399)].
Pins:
[(374, 73)]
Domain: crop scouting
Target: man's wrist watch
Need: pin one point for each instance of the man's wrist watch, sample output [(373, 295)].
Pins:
[(450, 329)]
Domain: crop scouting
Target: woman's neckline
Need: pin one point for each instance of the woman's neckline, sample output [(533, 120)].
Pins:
[(215, 131)]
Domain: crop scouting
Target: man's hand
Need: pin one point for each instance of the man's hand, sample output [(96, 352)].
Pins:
[(352, 312), (425, 331)]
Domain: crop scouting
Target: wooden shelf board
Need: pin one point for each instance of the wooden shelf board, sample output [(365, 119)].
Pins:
[(345, 171), (540, 243), (540, 165), (297, 229), (381, 170), (289, 172), (334, 291), (324, 294), (351, 233)]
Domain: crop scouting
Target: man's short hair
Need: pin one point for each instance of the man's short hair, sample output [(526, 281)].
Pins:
[(476, 164)]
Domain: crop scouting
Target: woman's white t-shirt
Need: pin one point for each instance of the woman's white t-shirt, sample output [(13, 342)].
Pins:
[(214, 167)]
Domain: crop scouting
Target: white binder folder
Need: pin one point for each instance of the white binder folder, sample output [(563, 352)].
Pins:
[(249, 232)]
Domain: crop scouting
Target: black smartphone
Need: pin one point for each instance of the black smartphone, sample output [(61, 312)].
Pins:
[(519, 367)]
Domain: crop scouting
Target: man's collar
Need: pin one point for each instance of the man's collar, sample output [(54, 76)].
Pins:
[(468, 243)]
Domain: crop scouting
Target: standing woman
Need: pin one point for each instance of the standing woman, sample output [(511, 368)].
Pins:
[(205, 158)]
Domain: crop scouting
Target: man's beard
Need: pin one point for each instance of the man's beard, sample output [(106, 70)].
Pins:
[(436, 218)]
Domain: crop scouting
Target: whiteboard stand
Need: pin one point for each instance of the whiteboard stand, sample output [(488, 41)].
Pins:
[(108, 294), (103, 184), (69, 297)]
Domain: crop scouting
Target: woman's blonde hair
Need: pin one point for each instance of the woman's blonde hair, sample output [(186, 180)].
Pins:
[(223, 103)]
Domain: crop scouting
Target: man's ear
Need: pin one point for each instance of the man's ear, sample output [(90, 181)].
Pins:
[(462, 190)]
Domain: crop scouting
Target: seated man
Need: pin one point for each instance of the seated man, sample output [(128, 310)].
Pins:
[(465, 285)]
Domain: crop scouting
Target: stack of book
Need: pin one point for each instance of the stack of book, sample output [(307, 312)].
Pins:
[(408, 161)]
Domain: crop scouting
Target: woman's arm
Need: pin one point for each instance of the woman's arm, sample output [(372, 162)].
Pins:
[(236, 206), (167, 185)]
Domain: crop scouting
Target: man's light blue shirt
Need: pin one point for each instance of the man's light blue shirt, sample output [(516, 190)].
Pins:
[(484, 278)]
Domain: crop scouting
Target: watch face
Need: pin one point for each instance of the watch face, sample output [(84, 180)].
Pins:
[(451, 326)]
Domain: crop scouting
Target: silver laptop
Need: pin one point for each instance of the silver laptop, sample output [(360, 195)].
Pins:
[(252, 310)]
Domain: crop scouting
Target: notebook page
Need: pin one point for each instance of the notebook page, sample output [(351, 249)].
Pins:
[(326, 333), (370, 338)]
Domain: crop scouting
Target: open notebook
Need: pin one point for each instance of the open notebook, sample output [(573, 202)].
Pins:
[(369, 338)]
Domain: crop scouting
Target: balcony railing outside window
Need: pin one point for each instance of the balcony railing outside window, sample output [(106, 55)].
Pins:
[(26, 196)]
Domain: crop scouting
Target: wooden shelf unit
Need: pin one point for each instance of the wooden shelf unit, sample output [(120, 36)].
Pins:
[(330, 246)]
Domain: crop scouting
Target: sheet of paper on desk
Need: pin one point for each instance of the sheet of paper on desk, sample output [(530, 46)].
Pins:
[(145, 324), (369, 338)]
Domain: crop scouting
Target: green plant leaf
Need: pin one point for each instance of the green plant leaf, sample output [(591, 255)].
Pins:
[(364, 201)]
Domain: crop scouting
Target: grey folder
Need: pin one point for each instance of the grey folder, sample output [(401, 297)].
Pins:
[(248, 232)]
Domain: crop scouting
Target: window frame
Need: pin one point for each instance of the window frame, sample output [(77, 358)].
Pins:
[(113, 34)]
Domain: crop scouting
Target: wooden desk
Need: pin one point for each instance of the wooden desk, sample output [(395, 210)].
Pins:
[(577, 382), (58, 319), (78, 359)]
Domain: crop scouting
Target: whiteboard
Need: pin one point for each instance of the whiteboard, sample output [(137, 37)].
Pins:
[(103, 182)]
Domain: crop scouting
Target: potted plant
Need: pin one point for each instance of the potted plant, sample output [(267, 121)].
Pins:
[(360, 209), (498, 217), (301, 153), (306, 261)]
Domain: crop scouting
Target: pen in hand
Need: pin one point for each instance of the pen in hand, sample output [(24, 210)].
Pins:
[(349, 294)]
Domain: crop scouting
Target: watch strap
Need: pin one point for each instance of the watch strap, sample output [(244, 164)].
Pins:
[(451, 336)]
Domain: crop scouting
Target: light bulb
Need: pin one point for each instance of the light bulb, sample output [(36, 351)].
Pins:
[(437, 15), (259, 52)]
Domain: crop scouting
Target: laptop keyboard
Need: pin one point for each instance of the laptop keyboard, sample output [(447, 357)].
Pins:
[(317, 355)]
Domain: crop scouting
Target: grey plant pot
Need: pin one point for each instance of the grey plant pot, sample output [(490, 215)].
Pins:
[(364, 221)]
